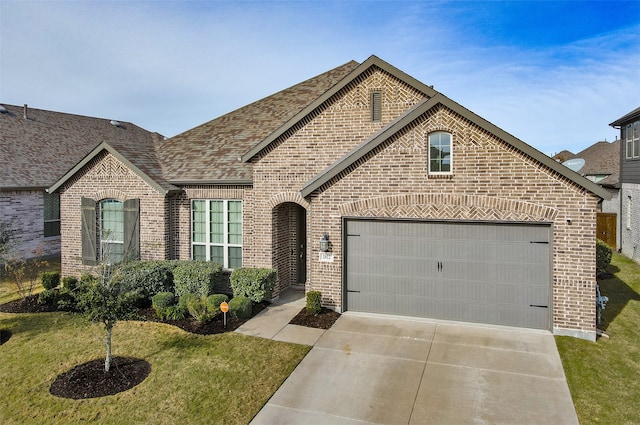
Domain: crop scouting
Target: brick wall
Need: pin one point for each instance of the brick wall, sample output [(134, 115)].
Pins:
[(107, 178), (24, 210), (491, 181)]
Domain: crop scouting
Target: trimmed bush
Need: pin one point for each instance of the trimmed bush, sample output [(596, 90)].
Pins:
[(214, 301), (196, 277), (314, 306), (48, 297), (603, 256), (50, 280), (149, 277), (70, 283), (240, 307), (255, 284), (67, 299), (161, 302)]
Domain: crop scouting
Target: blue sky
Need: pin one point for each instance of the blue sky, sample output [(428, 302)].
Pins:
[(553, 74)]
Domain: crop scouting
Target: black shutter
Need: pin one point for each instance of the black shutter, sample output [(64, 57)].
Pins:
[(88, 212), (132, 229)]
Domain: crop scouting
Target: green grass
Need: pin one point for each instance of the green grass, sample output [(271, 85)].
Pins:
[(194, 379), (604, 377)]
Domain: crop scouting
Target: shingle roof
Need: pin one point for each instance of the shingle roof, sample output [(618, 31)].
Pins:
[(601, 158), (37, 151), (210, 152)]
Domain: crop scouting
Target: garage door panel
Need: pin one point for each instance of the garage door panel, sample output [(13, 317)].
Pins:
[(478, 272)]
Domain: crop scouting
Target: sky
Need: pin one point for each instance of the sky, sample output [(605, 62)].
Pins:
[(552, 73)]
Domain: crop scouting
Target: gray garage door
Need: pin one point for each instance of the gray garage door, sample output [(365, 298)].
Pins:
[(473, 272)]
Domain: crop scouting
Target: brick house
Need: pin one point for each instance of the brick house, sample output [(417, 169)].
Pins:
[(36, 148), (629, 224), (362, 183)]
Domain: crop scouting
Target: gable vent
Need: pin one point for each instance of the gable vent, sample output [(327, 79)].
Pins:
[(376, 106)]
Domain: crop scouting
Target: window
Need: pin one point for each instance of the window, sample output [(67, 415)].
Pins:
[(629, 209), (110, 230), (440, 153), (51, 214), (216, 232), (632, 138), (376, 106)]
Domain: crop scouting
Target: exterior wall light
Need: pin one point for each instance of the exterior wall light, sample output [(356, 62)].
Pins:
[(324, 243)]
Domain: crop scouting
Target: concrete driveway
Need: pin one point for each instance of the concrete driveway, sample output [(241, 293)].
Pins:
[(383, 370)]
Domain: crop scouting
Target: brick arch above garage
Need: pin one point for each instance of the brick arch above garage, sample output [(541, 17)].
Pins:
[(448, 206)]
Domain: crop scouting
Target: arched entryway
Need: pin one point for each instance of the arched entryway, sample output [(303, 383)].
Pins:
[(290, 244)]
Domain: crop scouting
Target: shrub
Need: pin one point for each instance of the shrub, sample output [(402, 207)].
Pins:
[(240, 307), (149, 277), (313, 302), (67, 299), (50, 280), (196, 277), (161, 302), (200, 310), (48, 297), (184, 299), (214, 301), (603, 256), (70, 283), (256, 284)]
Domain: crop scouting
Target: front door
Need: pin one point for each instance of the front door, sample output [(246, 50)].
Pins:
[(301, 245)]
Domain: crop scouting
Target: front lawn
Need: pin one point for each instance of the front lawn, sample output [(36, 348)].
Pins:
[(604, 377), (194, 379)]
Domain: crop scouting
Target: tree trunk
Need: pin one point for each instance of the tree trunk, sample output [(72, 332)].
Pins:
[(107, 340)]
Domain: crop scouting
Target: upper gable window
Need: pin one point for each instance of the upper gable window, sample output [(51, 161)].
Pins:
[(632, 140), (440, 153), (376, 106)]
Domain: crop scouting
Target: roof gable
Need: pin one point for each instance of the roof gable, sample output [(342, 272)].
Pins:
[(355, 73), (145, 168), (439, 99), (40, 148)]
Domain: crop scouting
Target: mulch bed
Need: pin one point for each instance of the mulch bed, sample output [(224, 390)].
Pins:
[(28, 305), (323, 320), (4, 335), (89, 380)]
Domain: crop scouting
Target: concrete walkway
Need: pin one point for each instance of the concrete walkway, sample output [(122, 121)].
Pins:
[(372, 369)]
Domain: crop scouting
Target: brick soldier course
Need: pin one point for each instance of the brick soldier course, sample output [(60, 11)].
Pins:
[(306, 158)]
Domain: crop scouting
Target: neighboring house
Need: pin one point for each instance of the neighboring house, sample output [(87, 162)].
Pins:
[(602, 166), (37, 147), (362, 183), (629, 126)]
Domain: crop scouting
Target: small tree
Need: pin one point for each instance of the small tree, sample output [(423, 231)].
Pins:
[(23, 272), (108, 299), (6, 242)]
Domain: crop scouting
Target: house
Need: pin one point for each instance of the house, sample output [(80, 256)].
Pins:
[(37, 147), (629, 225), (600, 163), (362, 183)]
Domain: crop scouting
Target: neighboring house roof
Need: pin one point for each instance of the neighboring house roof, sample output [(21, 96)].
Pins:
[(601, 158), (631, 116), (37, 150), (360, 151), (563, 155), (210, 152)]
